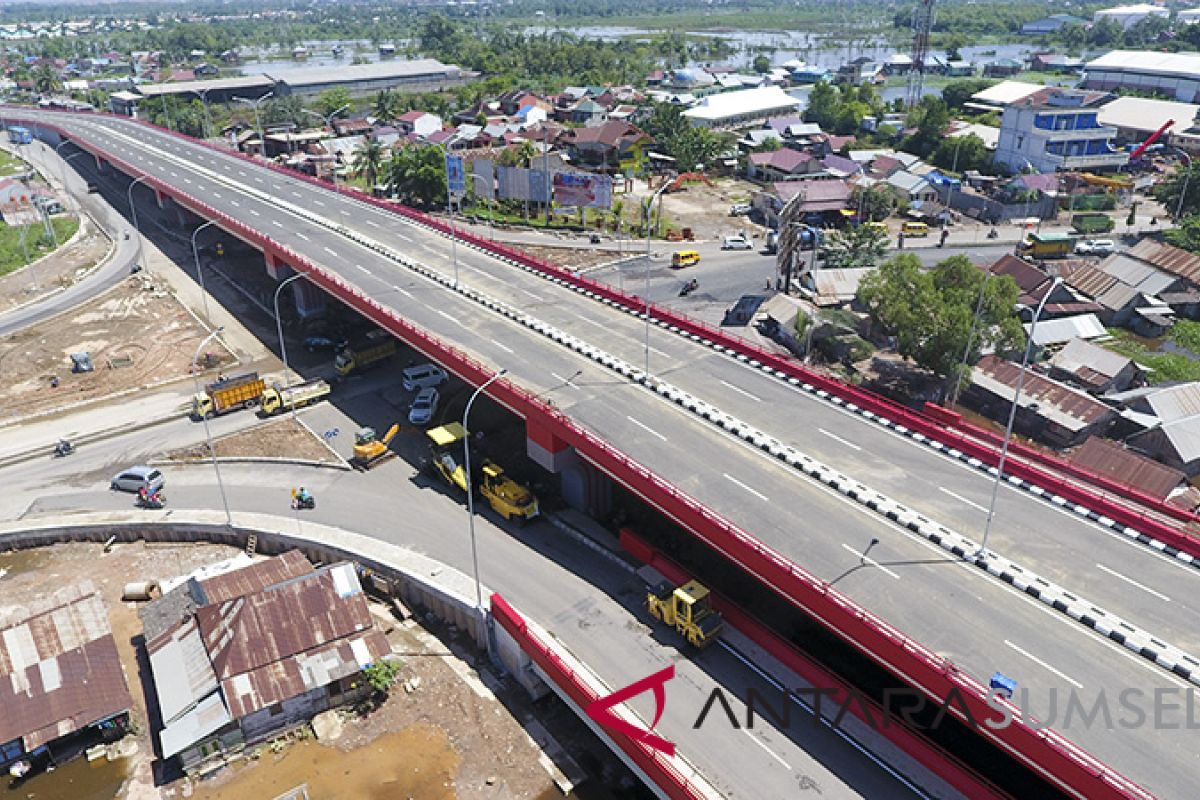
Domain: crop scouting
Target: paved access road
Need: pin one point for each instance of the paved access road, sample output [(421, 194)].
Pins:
[(980, 625), (590, 605)]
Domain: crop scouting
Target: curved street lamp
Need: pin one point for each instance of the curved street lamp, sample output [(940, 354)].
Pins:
[(200, 272), (287, 371), (204, 419), (467, 474)]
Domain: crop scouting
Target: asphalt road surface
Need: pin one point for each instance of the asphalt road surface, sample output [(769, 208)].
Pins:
[(979, 624)]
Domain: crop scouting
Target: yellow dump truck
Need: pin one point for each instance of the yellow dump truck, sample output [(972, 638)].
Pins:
[(507, 498), (376, 348), (277, 398), (1046, 245), (228, 394)]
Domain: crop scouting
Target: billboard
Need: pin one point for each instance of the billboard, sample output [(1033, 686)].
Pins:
[(581, 190), (455, 180), (514, 183), (484, 182), (539, 186)]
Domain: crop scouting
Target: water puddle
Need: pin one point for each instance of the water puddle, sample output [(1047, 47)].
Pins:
[(76, 780)]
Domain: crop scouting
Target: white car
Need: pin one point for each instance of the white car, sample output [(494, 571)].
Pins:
[(740, 209), (1096, 247), (423, 376), (736, 242), (423, 407)]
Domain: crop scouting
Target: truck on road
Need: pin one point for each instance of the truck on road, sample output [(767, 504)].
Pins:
[(373, 350), (277, 398), (507, 498), (228, 394), (1046, 245)]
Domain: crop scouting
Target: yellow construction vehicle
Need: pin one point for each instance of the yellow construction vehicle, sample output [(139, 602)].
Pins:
[(371, 451), (507, 498), (688, 609)]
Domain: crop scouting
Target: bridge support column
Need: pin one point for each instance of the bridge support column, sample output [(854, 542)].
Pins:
[(275, 266), (310, 301), (162, 199), (584, 487), (101, 165), (545, 448)]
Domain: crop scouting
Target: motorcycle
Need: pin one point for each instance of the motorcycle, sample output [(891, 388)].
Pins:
[(993, 234), (307, 503), (152, 501), (63, 449), (689, 287)]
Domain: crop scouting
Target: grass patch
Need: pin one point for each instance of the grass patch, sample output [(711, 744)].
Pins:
[(10, 165), (1164, 367), (37, 243), (1186, 334)]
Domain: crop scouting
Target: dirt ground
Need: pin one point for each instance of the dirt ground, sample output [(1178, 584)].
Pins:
[(137, 334), (440, 734), (277, 438), (703, 208), (571, 257)]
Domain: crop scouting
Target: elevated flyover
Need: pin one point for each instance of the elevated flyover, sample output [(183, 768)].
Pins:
[(760, 514)]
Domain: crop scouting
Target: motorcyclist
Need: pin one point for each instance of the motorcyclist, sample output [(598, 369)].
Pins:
[(64, 447)]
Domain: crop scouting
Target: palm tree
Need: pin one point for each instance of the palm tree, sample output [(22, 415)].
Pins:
[(45, 80), (387, 105), (368, 160)]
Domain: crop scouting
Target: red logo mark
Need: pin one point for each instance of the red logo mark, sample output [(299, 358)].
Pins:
[(601, 710)]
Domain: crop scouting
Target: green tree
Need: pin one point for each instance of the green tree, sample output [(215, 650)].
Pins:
[(331, 100), (417, 174), (45, 80), (931, 313), (382, 674), (386, 106), (368, 160), (854, 247), (1186, 235), (762, 65), (520, 156), (930, 118), (824, 102), (958, 93), (876, 202), (1169, 191), (282, 111), (962, 153)]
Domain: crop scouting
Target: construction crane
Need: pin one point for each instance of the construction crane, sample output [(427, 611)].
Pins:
[(922, 25)]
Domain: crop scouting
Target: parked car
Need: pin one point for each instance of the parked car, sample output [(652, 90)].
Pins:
[(740, 209), (736, 242), (1096, 247), (423, 376), (423, 407), (138, 477), (314, 343)]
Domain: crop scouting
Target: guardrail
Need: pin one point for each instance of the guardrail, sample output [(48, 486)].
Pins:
[(658, 767), (1044, 751)]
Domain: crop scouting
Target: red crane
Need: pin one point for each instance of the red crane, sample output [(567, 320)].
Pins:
[(1141, 148)]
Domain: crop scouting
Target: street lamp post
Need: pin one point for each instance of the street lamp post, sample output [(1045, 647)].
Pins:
[(449, 208), (207, 119), (646, 292), (287, 377), (987, 276), (204, 419), (475, 176), (133, 213), (1187, 174), (467, 475), (1012, 416), (257, 121), (328, 121), (200, 272)]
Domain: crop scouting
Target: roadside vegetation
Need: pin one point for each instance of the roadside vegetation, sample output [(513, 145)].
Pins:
[(1165, 366), (20, 245)]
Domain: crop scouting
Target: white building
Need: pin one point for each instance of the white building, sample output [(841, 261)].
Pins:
[(1188, 17), (1057, 129), (1175, 75), (742, 109), (1128, 16)]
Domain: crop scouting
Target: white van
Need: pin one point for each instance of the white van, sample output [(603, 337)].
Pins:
[(423, 376)]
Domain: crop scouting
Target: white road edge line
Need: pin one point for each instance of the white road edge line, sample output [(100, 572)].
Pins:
[(763, 745), (1132, 582), (839, 439), (741, 391), (1044, 665), (869, 560), (645, 427), (754, 492), (962, 499)]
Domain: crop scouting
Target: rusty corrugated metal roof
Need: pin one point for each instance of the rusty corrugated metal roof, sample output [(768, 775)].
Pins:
[(1168, 258), (290, 637), (1109, 458), (1090, 281), (1054, 400), (1028, 277), (256, 577), (59, 668)]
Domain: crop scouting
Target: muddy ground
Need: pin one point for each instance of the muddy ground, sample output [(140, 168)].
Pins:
[(136, 334), (281, 437), (441, 734)]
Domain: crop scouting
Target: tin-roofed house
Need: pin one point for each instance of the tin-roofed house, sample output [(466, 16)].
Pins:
[(1175, 439), (241, 655), (61, 682), (1095, 369)]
